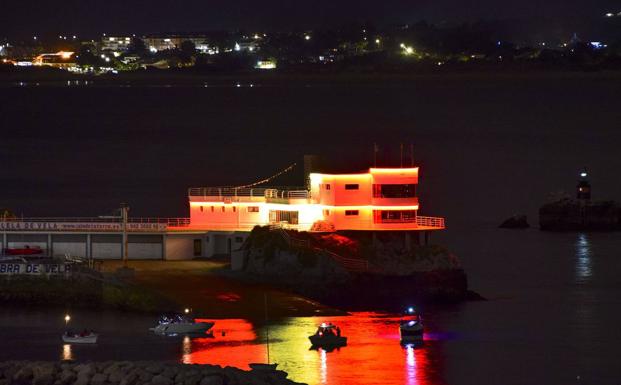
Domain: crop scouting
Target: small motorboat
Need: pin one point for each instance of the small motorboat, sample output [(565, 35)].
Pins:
[(411, 326), (328, 336), (86, 337), (177, 323)]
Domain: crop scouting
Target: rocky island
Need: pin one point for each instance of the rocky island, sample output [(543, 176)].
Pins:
[(353, 269)]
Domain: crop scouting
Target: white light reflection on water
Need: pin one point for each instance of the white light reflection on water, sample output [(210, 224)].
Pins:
[(186, 350), (324, 366), (411, 364), (67, 354), (583, 259)]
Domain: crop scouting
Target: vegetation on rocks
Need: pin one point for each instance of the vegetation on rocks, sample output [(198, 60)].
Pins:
[(76, 292)]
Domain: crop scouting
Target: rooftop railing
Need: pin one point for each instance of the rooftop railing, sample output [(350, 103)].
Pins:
[(232, 192)]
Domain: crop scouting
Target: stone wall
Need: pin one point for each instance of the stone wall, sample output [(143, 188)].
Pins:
[(132, 373)]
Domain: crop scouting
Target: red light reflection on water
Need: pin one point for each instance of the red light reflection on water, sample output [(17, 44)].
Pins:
[(232, 345), (373, 354)]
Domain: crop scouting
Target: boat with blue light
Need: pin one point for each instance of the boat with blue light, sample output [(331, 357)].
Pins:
[(411, 326)]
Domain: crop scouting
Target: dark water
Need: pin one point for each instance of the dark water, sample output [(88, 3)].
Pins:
[(487, 147)]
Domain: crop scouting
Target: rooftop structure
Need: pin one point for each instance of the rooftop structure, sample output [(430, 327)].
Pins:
[(378, 200)]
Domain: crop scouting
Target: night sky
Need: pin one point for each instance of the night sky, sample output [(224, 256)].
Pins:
[(22, 18)]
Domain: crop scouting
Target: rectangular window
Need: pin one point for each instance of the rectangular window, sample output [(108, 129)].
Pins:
[(212, 208), (280, 216), (394, 216), (253, 209), (352, 186), (222, 208), (351, 213), (201, 208), (394, 191), (327, 186), (234, 208), (326, 213)]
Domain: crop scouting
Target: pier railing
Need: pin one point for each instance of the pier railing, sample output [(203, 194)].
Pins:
[(103, 219)]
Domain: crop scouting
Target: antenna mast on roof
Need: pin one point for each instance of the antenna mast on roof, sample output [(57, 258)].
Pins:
[(375, 154)]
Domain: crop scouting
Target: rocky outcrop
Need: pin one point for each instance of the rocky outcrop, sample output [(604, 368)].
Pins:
[(133, 373), (571, 215), (515, 222), (354, 270)]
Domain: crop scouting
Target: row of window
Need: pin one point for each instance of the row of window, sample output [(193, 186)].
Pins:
[(251, 209), (384, 190)]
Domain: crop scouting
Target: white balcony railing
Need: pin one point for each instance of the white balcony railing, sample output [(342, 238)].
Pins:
[(435, 222)]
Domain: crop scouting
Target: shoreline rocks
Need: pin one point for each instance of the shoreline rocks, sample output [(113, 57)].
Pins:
[(133, 373)]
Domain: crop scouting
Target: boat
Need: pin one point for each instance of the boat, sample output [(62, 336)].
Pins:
[(177, 323), (411, 326), (26, 250), (328, 336), (86, 337)]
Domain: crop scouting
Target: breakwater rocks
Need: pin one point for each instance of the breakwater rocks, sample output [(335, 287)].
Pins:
[(133, 373), (572, 215)]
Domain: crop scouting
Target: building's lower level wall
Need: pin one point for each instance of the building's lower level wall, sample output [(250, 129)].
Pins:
[(109, 246)]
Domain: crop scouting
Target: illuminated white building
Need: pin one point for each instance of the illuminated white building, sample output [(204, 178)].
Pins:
[(221, 218), (378, 200)]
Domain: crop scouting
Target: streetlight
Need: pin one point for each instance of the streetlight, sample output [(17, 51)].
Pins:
[(67, 319), (187, 310)]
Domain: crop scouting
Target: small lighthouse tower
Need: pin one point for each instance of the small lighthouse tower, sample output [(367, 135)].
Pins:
[(583, 189)]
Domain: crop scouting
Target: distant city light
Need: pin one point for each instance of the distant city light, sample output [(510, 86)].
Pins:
[(256, 36), (265, 65), (237, 47), (583, 174), (307, 37), (610, 14), (34, 37), (597, 44), (377, 41), (407, 50)]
